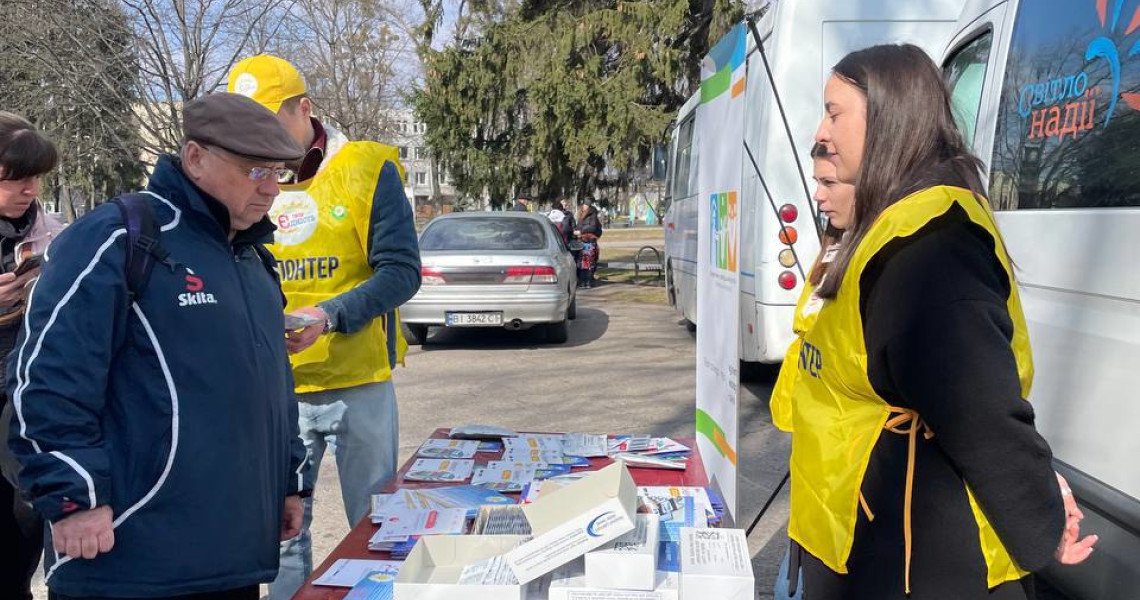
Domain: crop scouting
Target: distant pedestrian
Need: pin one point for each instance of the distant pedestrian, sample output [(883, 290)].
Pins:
[(25, 231), (156, 426), (571, 223), (522, 204), (561, 222), (589, 232)]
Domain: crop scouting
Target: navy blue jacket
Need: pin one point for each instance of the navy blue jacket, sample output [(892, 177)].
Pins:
[(177, 410)]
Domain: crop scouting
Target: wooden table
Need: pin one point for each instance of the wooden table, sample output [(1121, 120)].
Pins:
[(355, 544)]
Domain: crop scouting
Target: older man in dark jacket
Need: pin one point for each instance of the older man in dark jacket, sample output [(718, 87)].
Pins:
[(157, 428)]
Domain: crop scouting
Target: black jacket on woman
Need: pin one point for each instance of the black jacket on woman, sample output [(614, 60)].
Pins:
[(590, 224), (938, 336)]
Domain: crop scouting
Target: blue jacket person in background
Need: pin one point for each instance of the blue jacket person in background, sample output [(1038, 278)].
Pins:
[(157, 431)]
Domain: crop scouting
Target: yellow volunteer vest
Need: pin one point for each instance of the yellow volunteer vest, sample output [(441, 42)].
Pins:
[(781, 401), (321, 246), (825, 397)]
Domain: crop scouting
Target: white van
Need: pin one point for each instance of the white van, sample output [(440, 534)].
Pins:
[(803, 39), (1046, 92)]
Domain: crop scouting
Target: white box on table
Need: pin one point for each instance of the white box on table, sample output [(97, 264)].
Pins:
[(573, 520), (629, 562), (569, 583), (432, 569), (715, 564)]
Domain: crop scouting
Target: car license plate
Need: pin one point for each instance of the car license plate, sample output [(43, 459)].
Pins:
[(479, 319)]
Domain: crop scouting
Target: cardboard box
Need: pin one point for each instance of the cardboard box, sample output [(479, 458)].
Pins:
[(629, 562), (715, 564), (569, 583), (433, 568), (574, 520)]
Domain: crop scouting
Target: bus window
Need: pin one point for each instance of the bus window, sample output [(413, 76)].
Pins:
[(1067, 125), (683, 160), (965, 72)]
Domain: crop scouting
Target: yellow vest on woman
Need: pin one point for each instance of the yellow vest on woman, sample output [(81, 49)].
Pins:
[(825, 398), (321, 245)]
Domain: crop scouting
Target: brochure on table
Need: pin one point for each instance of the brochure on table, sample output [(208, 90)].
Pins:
[(437, 564), (440, 469), (347, 572), (434, 448), (576, 519), (400, 523)]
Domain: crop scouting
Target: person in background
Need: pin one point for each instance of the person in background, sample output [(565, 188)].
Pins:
[(346, 244), (835, 200), (25, 231), (156, 427), (589, 231), (563, 206), (910, 425), (561, 222), (522, 204)]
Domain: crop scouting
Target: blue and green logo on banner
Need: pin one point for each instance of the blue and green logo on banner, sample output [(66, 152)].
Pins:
[(726, 57)]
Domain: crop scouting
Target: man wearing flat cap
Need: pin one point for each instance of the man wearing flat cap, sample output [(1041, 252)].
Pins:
[(346, 244), (155, 423)]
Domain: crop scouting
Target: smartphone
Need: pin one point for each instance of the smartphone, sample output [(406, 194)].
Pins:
[(29, 263), (294, 321)]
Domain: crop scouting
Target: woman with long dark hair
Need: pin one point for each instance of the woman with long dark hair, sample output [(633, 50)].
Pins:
[(25, 230), (916, 469)]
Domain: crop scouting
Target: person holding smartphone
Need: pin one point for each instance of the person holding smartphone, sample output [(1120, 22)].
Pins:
[(25, 156)]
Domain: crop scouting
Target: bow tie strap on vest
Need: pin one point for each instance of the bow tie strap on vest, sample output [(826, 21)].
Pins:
[(904, 421)]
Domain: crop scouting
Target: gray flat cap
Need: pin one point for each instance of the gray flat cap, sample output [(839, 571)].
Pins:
[(239, 124)]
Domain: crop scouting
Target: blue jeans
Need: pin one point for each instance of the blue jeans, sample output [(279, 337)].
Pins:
[(781, 591), (362, 426)]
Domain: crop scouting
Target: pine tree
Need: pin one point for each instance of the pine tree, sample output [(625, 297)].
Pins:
[(547, 98)]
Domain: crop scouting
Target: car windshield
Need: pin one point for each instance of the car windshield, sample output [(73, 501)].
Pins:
[(484, 233)]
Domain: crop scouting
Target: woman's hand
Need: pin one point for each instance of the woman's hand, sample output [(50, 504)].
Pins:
[(1071, 551), (13, 289)]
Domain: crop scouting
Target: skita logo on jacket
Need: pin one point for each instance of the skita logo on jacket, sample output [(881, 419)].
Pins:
[(194, 294)]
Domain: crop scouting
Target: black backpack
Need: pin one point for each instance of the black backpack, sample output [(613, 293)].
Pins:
[(144, 250)]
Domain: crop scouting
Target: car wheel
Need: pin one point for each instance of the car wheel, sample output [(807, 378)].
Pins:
[(558, 333), (572, 312), (669, 290), (415, 334)]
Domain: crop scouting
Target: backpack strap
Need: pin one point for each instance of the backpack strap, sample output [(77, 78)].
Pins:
[(143, 247)]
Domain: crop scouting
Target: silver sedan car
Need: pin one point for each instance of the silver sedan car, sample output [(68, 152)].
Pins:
[(493, 269)]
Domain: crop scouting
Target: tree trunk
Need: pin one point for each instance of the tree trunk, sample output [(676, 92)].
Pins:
[(436, 194)]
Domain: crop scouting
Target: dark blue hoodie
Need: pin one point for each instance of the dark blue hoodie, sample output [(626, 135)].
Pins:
[(176, 410)]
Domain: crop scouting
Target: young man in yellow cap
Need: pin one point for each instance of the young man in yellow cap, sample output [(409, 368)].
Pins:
[(347, 252)]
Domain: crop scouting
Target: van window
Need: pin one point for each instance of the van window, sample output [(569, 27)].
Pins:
[(965, 72), (683, 160), (1067, 125)]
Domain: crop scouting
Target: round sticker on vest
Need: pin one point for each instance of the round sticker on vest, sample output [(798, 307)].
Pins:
[(246, 85), (295, 215)]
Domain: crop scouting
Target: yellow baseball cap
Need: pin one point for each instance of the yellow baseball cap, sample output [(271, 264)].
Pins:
[(267, 79)]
